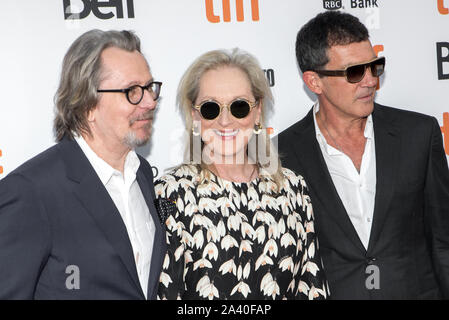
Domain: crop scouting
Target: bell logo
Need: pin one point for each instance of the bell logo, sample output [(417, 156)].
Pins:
[(94, 6), (445, 131), (442, 59), (441, 8), (211, 17)]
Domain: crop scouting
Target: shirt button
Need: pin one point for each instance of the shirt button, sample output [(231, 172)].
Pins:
[(368, 219)]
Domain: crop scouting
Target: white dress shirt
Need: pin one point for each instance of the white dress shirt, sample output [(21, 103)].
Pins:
[(130, 202), (357, 190)]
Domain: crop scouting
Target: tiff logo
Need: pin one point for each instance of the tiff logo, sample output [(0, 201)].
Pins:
[(94, 6), (212, 17), (445, 131), (441, 8)]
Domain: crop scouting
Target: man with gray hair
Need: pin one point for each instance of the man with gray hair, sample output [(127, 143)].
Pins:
[(78, 220)]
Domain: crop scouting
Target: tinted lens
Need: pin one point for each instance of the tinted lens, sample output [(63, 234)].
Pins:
[(240, 109), (355, 73), (378, 67), (210, 110), (135, 94)]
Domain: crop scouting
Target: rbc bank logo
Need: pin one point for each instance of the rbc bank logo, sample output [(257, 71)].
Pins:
[(364, 4), (226, 8), (332, 4), (338, 4), (72, 9)]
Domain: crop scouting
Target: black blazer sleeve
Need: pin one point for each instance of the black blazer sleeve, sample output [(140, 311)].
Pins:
[(437, 206), (24, 238)]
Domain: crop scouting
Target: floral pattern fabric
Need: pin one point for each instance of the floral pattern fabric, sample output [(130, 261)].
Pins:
[(230, 240)]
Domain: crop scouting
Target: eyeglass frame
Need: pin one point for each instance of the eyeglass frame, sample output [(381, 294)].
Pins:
[(252, 105), (343, 73), (143, 88)]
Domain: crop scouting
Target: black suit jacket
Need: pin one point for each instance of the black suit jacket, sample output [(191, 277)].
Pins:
[(409, 241), (54, 214)]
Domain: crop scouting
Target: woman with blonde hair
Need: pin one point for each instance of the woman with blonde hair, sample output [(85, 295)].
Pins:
[(239, 226)]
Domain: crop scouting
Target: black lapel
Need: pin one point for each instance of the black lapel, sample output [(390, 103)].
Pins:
[(96, 200), (387, 142), (145, 180), (319, 180)]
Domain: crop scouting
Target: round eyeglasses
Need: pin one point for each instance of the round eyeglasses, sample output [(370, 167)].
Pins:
[(134, 94)]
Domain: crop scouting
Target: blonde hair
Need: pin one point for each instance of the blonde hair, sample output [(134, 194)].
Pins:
[(188, 92)]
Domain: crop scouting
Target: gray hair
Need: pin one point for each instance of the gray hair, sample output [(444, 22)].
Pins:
[(189, 86), (80, 77)]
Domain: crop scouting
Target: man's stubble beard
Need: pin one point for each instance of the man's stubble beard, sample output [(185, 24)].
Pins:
[(131, 140)]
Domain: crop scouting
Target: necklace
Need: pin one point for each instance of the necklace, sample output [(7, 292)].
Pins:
[(333, 140)]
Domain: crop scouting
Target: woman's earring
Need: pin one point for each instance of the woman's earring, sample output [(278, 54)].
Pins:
[(257, 128), (195, 129)]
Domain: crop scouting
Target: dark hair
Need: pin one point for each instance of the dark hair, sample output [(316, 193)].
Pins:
[(80, 77), (327, 29)]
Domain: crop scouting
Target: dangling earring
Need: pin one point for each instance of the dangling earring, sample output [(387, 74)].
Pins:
[(195, 130), (257, 128)]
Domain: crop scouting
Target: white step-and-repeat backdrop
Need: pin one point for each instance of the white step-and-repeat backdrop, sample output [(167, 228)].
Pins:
[(412, 34)]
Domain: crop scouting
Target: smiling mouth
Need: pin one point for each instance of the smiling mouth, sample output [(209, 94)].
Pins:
[(228, 133)]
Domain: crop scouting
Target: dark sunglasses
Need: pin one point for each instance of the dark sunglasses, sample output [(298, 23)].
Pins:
[(239, 108), (355, 73)]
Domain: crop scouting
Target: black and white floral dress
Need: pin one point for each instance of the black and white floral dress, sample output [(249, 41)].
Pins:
[(230, 240)]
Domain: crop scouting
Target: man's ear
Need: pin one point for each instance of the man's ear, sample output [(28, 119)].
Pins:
[(312, 81), (91, 115)]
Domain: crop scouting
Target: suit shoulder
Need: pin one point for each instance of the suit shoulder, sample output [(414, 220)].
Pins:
[(26, 184), (40, 165), (297, 126), (403, 116)]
